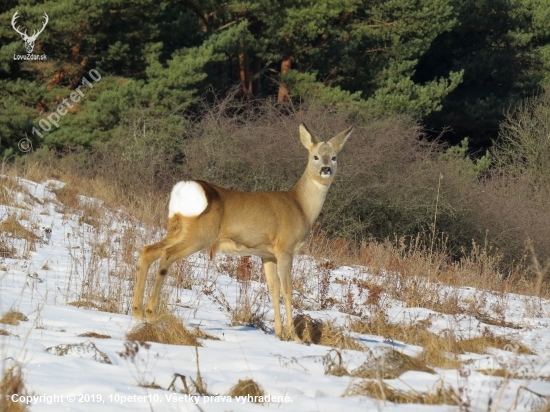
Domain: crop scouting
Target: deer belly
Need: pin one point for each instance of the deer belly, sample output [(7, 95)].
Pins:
[(231, 247)]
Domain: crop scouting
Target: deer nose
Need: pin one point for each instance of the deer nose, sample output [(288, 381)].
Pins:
[(326, 171)]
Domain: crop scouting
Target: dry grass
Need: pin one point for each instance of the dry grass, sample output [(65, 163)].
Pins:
[(67, 196), (167, 329), (12, 227), (439, 351), (197, 386), (251, 306), (380, 390), (82, 348), (9, 182), (91, 214), (103, 306), (252, 298), (391, 366), (245, 388), (6, 198), (411, 261), (13, 317), (200, 334), (12, 384), (94, 335), (324, 333), (488, 340), (505, 373), (6, 250), (407, 256)]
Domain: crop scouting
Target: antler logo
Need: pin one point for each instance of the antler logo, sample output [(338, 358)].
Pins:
[(26, 38)]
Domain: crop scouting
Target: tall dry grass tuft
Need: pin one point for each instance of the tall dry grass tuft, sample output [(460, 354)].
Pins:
[(13, 317), (245, 388), (12, 383), (167, 329), (12, 226)]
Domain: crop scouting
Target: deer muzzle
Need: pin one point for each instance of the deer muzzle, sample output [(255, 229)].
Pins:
[(326, 171)]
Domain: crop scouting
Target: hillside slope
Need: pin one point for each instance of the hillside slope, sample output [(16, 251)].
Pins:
[(66, 282)]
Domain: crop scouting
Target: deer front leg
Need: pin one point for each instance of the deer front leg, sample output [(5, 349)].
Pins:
[(148, 255), (274, 286), (284, 265)]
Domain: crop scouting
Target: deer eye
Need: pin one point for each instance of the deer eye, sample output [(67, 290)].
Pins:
[(315, 157), (333, 158)]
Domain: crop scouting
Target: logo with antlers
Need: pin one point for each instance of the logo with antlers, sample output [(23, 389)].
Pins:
[(26, 38)]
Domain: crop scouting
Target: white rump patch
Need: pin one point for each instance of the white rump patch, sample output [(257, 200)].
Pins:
[(187, 198)]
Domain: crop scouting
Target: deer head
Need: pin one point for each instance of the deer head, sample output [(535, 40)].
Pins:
[(29, 39), (322, 160)]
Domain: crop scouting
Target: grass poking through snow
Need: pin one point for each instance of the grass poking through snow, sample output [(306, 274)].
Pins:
[(245, 388), (13, 317), (167, 329)]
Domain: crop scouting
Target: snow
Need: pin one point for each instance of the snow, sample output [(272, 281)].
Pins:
[(73, 259)]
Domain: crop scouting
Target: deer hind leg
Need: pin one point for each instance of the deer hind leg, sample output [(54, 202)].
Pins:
[(148, 255), (274, 285), (284, 265), (168, 256)]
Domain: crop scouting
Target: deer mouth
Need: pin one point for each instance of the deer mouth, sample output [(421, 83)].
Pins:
[(326, 172)]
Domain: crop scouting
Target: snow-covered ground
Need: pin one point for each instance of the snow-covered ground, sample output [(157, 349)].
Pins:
[(82, 256)]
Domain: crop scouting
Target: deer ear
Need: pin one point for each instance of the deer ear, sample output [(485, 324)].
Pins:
[(339, 140), (308, 140)]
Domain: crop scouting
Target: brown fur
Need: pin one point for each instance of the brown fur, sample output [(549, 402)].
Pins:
[(272, 225)]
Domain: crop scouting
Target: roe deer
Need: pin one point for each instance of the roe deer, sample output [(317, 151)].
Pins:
[(272, 225)]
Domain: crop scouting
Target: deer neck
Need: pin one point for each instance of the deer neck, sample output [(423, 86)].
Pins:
[(311, 196)]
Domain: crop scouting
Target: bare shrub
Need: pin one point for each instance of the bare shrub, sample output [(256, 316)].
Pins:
[(84, 349), (250, 308), (324, 276), (523, 148), (520, 184), (133, 354), (198, 385)]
